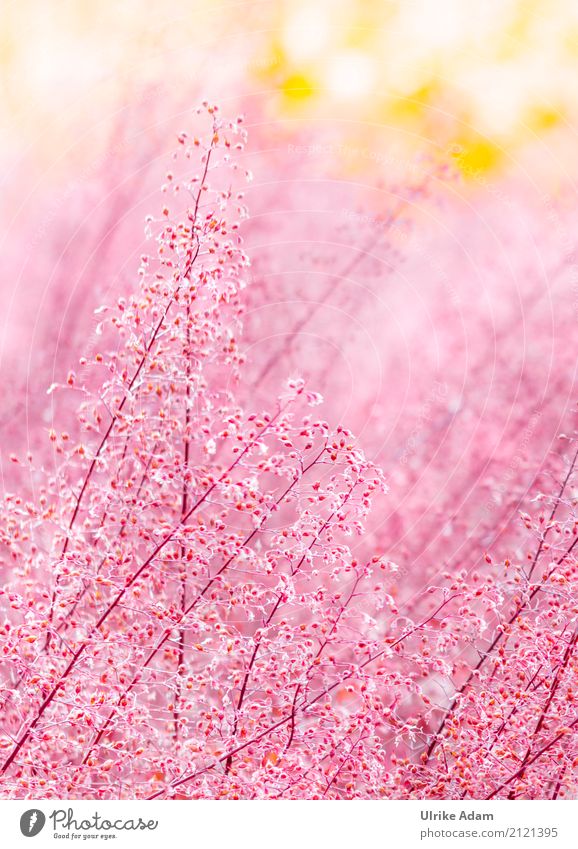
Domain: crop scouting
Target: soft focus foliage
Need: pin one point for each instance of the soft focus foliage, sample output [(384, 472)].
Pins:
[(200, 601)]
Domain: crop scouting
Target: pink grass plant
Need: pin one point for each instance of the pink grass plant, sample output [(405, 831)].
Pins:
[(198, 603)]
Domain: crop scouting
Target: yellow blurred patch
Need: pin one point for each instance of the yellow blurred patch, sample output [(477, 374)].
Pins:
[(543, 119), (297, 88), (412, 105), (270, 63), (476, 156)]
